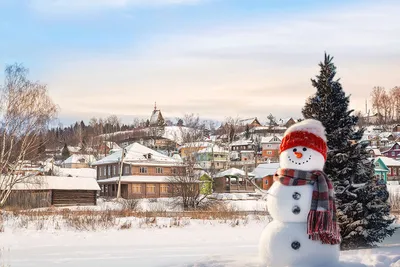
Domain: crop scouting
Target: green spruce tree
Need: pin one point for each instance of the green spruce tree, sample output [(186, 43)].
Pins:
[(65, 152), (363, 209)]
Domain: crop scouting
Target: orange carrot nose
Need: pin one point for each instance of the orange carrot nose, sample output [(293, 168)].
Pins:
[(298, 154)]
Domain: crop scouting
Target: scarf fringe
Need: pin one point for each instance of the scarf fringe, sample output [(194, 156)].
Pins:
[(320, 226)]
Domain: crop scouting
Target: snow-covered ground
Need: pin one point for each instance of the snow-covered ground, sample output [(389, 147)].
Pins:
[(163, 243)]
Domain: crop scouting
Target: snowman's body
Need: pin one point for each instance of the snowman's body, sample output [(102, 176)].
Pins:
[(284, 241)]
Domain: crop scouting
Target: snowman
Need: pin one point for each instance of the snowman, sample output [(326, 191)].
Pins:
[(304, 231)]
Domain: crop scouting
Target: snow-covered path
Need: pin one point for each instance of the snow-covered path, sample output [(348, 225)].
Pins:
[(198, 244)]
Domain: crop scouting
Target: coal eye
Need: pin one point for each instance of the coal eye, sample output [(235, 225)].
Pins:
[(295, 150), (304, 149)]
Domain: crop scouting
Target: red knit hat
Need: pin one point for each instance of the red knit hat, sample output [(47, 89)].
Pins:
[(308, 133)]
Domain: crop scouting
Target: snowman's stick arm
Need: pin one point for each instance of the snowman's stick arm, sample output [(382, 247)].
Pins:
[(262, 191)]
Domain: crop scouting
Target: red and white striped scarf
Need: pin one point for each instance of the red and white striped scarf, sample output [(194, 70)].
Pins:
[(321, 222)]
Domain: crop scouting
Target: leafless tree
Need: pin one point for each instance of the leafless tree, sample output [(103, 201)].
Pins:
[(25, 113), (361, 120), (387, 107), (376, 99), (395, 96), (186, 184)]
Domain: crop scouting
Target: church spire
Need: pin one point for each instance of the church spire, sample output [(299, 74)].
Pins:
[(155, 105)]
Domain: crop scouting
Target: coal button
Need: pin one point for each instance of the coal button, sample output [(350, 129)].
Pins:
[(296, 195), (296, 210), (295, 245)]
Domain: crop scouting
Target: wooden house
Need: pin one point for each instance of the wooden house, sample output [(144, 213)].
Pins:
[(251, 122), (146, 173), (263, 174), (77, 161), (393, 152), (380, 169), (233, 181), (192, 148), (393, 167), (46, 191), (287, 122), (270, 147)]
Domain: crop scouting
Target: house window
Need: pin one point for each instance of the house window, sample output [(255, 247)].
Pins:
[(109, 170), (164, 188), (159, 170), (393, 154), (394, 171), (143, 169), (114, 170), (397, 146), (249, 146), (390, 170), (174, 171), (136, 188), (269, 152), (266, 181), (150, 189), (127, 169), (376, 164), (217, 164), (104, 171), (268, 145)]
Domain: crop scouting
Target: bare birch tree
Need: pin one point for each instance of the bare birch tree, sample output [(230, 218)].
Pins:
[(395, 96), (25, 113)]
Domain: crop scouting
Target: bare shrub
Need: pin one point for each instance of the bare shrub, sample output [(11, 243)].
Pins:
[(394, 200), (91, 221), (126, 225), (131, 204)]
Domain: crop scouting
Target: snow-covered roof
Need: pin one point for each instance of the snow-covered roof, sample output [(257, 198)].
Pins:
[(376, 151), (248, 121), (81, 172), (270, 139), (242, 142), (76, 158), (232, 172), (213, 149), (137, 153), (265, 169), (389, 161), (195, 145), (72, 149), (57, 183), (283, 122)]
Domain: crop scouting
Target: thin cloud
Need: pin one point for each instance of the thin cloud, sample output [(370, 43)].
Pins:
[(71, 6), (221, 71)]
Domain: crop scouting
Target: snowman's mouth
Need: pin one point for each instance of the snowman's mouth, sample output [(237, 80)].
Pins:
[(300, 163)]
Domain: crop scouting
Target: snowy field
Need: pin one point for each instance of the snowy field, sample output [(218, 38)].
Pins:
[(161, 243)]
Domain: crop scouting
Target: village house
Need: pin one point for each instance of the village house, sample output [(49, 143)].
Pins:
[(79, 161), (107, 147), (263, 174), (286, 123), (233, 181), (390, 164), (212, 157), (393, 152), (270, 147), (146, 173), (380, 169), (251, 122), (192, 148), (374, 152), (46, 191)]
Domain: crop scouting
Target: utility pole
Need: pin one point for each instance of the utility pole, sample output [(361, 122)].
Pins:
[(120, 173)]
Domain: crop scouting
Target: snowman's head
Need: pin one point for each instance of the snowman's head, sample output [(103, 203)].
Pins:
[(304, 146), (301, 158)]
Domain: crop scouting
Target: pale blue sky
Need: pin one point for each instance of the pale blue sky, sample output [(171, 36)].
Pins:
[(216, 58)]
